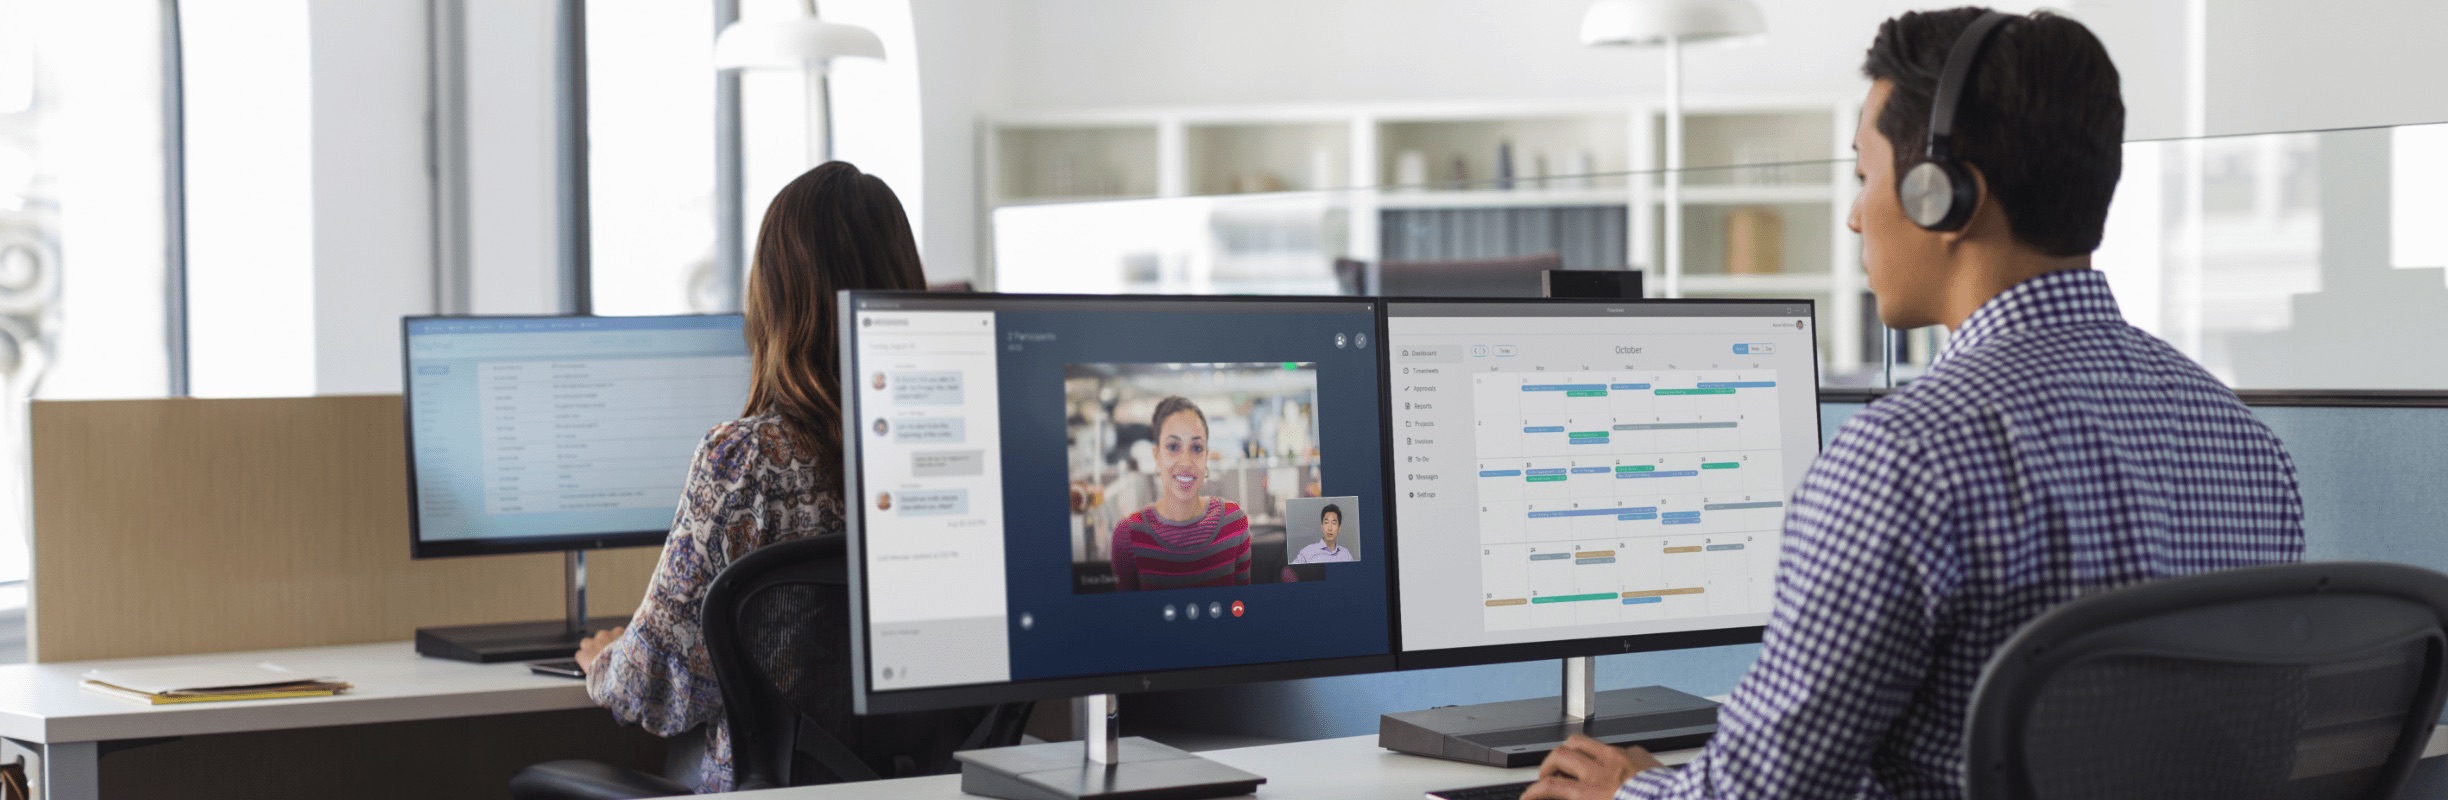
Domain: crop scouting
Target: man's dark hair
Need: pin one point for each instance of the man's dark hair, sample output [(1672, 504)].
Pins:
[(1330, 509), (2042, 118)]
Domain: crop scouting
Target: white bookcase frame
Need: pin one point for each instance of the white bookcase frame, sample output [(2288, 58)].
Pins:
[(1190, 155)]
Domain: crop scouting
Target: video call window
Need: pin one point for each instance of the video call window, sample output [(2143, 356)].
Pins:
[(1192, 475)]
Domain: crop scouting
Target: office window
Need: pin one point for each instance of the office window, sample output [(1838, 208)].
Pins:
[(2418, 186), (874, 106), (651, 126), (650, 132), (250, 211), (81, 221)]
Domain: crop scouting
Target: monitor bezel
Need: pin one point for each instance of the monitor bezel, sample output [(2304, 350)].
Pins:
[(419, 548), (866, 699), (1405, 659)]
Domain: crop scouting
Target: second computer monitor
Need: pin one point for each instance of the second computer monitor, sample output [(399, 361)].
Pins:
[(1577, 478), (1058, 496)]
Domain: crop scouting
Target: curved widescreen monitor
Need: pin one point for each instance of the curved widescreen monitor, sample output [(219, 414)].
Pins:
[(559, 433), (1060, 496), (1577, 478)]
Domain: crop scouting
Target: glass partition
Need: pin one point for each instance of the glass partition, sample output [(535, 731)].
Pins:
[(1752, 231), (2298, 261)]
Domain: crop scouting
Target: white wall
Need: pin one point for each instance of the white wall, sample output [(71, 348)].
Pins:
[(1105, 53), (2282, 65), (2272, 65), (373, 245)]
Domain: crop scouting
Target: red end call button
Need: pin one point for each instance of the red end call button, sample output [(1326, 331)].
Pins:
[(1236, 608)]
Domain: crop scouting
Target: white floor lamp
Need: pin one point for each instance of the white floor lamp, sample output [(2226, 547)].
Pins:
[(1644, 23), (804, 43)]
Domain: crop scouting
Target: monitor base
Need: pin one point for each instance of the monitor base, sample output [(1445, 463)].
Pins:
[(1518, 733), (1061, 771), (507, 641)]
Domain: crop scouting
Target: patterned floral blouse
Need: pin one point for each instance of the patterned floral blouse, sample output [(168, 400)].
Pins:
[(750, 485)]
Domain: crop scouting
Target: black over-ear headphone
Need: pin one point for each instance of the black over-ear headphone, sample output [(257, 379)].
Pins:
[(1938, 193)]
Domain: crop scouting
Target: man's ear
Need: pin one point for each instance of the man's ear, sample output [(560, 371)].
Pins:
[(1982, 202)]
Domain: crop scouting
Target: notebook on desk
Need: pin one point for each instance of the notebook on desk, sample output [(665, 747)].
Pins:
[(206, 683)]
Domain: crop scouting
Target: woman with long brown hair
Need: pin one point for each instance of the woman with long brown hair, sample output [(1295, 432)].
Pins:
[(772, 475)]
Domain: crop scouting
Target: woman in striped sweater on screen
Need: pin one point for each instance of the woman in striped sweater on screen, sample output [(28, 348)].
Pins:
[(1186, 539)]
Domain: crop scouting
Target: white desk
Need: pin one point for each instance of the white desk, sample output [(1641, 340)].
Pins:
[(1333, 769), (42, 708)]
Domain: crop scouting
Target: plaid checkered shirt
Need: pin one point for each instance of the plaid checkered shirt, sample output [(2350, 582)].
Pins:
[(2053, 452)]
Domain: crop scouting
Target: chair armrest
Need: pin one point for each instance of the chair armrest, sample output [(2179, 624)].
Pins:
[(589, 780)]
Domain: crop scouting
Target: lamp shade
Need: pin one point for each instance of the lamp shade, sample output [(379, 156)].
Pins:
[(1637, 23), (792, 43)]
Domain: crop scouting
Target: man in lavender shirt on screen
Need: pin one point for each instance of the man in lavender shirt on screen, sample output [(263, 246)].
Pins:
[(1330, 523)]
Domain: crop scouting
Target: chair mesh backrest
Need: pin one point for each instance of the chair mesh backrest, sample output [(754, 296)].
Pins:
[(794, 633), (798, 636), (2145, 727), (2313, 680)]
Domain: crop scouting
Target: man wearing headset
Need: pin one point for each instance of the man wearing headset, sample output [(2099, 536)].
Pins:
[(2053, 451)]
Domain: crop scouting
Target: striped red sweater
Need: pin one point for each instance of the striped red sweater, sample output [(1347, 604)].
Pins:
[(1151, 553)]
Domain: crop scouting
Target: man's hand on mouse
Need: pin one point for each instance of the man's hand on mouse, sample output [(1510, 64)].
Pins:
[(1583, 768)]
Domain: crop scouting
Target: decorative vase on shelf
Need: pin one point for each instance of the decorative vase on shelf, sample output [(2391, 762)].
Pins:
[(1504, 165), (1538, 170), (1411, 170), (1461, 173), (1754, 241)]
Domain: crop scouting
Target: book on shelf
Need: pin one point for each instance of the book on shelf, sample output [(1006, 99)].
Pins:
[(207, 683)]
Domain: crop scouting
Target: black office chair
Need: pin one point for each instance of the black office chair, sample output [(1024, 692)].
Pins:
[(2298, 681), (777, 633)]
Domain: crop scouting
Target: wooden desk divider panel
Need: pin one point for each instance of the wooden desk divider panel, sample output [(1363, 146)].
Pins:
[(174, 526)]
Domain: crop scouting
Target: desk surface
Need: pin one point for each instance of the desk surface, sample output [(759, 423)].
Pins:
[(42, 702), (1351, 768)]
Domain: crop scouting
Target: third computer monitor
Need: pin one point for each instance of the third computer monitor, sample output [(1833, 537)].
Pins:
[(1059, 496), (1578, 478)]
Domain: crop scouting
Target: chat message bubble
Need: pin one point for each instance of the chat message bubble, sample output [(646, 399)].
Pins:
[(948, 463), (933, 502), (929, 430), (926, 388)]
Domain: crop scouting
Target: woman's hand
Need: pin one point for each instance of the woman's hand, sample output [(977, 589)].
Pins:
[(593, 646), (1583, 768)]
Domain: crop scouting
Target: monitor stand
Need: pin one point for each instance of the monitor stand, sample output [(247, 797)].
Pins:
[(1518, 733), (522, 641), (1105, 765)]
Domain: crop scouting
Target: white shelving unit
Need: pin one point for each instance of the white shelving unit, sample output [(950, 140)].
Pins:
[(1333, 176)]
